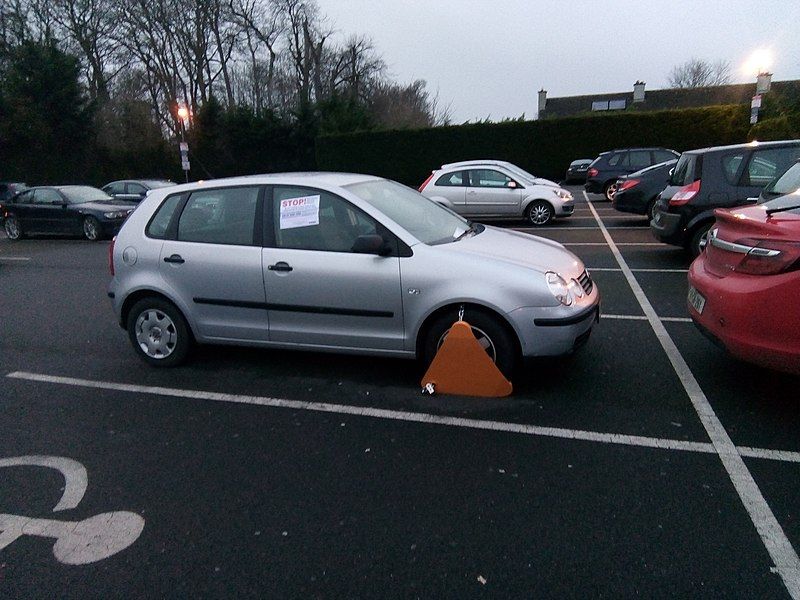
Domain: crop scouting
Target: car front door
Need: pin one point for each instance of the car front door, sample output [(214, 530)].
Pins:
[(213, 262), (319, 292), (492, 193)]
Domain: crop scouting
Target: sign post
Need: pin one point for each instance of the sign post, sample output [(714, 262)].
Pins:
[(184, 148)]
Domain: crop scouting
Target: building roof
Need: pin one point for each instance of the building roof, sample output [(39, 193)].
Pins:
[(738, 93)]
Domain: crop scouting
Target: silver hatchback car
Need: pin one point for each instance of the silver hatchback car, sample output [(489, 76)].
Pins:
[(341, 263), (497, 189)]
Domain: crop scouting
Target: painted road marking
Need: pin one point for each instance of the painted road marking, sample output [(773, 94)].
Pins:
[(21, 258), (412, 417), (643, 318), (77, 542), (584, 227), (772, 535), (617, 270), (606, 244)]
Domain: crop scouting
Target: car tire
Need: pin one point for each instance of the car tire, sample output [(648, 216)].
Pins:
[(500, 344), (609, 189), (698, 238), (651, 210), (539, 213), (158, 332), (13, 228), (91, 229)]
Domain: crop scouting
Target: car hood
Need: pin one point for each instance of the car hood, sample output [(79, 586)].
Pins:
[(547, 182), (106, 205), (520, 249)]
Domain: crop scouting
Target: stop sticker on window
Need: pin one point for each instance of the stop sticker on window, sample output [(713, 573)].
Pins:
[(299, 212)]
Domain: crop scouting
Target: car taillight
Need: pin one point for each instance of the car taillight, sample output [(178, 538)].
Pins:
[(111, 255), (592, 172), (424, 183), (686, 193), (769, 257), (628, 184)]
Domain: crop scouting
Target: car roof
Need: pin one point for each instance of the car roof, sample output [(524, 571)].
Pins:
[(471, 163), (638, 148), (309, 178), (754, 144)]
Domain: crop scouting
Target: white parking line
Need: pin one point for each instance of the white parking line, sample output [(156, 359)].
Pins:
[(617, 270), (21, 258), (592, 227), (643, 318), (606, 244), (413, 417), (772, 535)]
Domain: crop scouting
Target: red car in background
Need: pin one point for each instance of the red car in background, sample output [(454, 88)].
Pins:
[(744, 287)]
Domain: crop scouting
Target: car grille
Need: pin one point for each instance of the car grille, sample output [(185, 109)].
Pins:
[(586, 282)]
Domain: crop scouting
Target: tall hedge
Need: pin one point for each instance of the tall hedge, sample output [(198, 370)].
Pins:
[(543, 147)]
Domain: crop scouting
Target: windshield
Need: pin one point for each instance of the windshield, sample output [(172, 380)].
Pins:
[(787, 183), (79, 194), (520, 172), (664, 166), (421, 217), (158, 183)]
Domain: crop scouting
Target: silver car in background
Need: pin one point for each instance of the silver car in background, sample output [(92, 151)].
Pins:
[(488, 189), (337, 262)]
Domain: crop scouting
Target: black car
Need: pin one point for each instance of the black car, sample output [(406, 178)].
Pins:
[(66, 209), (609, 166), (637, 193), (134, 190), (577, 170), (709, 178), (8, 189)]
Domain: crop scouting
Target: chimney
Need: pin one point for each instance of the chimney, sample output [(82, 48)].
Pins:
[(542, 100), (638, 91), (764, 82)]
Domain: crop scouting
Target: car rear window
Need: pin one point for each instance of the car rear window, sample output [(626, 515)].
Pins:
[(616, 160), (451, 179), (688, 170)]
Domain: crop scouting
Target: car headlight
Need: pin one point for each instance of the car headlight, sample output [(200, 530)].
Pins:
[(559, 288), (575, 288), (117, 214), (563, 194)]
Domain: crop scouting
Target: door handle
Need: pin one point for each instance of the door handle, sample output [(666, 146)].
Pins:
[(175, 258), (281, 266)]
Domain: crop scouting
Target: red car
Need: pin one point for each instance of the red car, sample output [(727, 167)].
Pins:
[(744, 287)]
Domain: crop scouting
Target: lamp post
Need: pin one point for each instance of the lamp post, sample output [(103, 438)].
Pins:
[(183, 115)]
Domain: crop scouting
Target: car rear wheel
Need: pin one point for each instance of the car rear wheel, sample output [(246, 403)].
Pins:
[(495, 338), (13, 228), (539, 213), (158, 332), (609, 189), (699, 238), (91, 229), (651, 210)]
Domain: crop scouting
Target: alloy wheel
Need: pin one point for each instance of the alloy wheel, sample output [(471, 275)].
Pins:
[(156, 334)]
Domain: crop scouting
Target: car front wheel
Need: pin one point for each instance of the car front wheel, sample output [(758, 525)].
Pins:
[(539, 213), (13, 228), (91, 229), (493, 337), (158, 332)]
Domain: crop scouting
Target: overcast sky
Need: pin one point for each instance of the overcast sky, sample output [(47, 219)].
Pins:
[(489, 58)]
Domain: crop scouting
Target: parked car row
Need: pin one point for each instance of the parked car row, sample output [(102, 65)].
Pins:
[(73, 209)]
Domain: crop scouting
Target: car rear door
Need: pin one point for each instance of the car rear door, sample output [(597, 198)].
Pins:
[(489, 194), (213, 262), (318, 291)]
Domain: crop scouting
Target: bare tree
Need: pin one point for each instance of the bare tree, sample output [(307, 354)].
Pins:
[(397, 106), (696, 73)]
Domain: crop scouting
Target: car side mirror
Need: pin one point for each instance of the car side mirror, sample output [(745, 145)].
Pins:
[(511, 184), (371, 244)]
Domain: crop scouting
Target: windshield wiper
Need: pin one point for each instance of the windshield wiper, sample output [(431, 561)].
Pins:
[(472, 230), (782, 208)]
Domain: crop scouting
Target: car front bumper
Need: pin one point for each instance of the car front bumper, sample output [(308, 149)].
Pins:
[(564, 209), (555, 331), (741, 314)]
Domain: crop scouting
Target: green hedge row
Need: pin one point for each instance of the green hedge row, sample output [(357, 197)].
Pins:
[(543, 147)]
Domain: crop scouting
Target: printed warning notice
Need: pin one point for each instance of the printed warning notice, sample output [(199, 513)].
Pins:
[(299, 212)]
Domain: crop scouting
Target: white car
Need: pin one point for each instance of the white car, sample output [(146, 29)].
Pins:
[(495, 188)]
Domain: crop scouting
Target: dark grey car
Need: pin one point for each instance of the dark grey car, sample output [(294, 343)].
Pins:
[(134, 190), (719, 177)]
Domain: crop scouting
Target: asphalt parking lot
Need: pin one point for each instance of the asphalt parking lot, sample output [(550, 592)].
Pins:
[(649, 464)]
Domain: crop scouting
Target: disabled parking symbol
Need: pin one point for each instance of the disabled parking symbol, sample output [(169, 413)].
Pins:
[(76, 542)]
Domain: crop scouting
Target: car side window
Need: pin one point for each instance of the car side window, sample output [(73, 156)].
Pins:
[(766, 164), (617, 160), (663, 156), (639, 159), (114, 188), (308, 219), (160, 221), (488, 178), (136, 188), (220, 216), (46, 196), (451, 179), (731, 163), (25, 197)]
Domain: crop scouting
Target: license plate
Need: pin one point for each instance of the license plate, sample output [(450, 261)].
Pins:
[(696, 300)]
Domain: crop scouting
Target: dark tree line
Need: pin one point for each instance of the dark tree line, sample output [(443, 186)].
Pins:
[(89, 89)]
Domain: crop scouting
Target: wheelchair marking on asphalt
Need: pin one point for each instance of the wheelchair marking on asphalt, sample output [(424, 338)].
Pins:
[(772, 534), (407, 416)]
